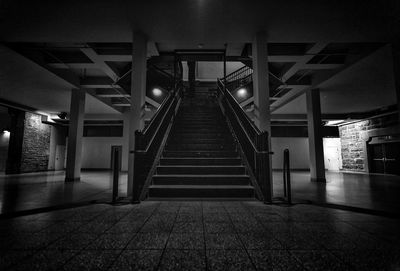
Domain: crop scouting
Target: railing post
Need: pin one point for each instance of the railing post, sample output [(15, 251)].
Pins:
[(115, 176)]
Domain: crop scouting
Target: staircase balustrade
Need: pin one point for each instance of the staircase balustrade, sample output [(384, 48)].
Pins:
[(150, 142), (253, 142)]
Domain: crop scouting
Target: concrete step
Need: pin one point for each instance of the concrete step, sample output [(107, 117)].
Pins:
[(200, 161), (201, 191), (200, 147), (214, 154), (194, 140), (201, 180), (204, 170)]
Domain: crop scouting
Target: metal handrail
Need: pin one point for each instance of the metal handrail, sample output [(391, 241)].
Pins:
[(242, 116)]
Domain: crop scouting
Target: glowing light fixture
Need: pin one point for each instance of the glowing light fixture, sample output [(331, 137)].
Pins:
[(157, 92), (241, 93), (6, 133), (334, 122)]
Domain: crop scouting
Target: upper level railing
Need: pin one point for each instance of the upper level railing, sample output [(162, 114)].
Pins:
[(240, 77), (254, 143), (150, 142)]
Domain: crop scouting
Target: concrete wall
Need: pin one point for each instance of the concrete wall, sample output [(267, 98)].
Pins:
[(299, 153), (96, 151)]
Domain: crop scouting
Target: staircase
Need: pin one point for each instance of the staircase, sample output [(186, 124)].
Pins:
[(200, 159)]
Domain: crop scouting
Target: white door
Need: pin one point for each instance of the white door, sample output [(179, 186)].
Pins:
[(332, 153), (60, 157)]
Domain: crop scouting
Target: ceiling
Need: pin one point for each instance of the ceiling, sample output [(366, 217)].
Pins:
[(177, 23), (365, 86), (337, 46)]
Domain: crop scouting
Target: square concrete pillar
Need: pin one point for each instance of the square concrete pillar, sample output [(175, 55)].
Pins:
[(75, 134), (260, 83), (317, 166), (138, 97), (396, 73)]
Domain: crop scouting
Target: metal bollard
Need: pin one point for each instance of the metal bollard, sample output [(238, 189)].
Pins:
[(286, 176), (115, 176)]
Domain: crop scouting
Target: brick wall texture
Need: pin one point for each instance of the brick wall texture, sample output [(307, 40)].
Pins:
[(36, 144), (353, 137)]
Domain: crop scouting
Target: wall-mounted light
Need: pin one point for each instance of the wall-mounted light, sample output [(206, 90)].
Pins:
[(242, 93), (157, 92), (334, 122), (6, 133)]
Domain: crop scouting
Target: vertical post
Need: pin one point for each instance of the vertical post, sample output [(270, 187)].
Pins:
[(317, 167), (260, 83), (287, 185), (75, 134), (138, 95), (396, 72), (115, 176), (262, 112), (225, 70)]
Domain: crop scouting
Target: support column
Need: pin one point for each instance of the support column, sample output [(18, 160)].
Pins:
[(396, 73), (317, 166), (75, 134), (138, 96), (260, 83)]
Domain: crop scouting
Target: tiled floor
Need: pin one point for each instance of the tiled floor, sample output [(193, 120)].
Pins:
[(199, 236)]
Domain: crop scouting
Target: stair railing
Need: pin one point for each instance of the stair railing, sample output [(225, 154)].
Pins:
[(254, 143), (150, 143), (240, 77)]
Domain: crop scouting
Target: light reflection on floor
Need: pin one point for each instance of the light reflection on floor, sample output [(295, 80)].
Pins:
[(38, 190), (31, 191), (377, 192)]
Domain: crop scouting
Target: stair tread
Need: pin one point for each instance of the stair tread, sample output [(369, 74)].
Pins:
[(201, 175), (175, 186), (202, 166)]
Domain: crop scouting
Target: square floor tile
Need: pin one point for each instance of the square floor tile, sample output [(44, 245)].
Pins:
[(319, 260), (228, 260), (255, 240), (223, 241), (186, 241), (148, 241), (92, 260), (137, 260), (274, 260), (183, 260)]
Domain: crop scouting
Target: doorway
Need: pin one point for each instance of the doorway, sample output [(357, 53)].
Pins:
[(332, 154), (384, 158), (116, 148)]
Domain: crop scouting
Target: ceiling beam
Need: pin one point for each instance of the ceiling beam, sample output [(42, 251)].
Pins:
[(73, 65), (152, 102), (318, 47), (101, 64), (291, 95), (248, 101)]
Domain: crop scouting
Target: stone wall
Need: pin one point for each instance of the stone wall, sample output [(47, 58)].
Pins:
[(353, 139), (36, 144)]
